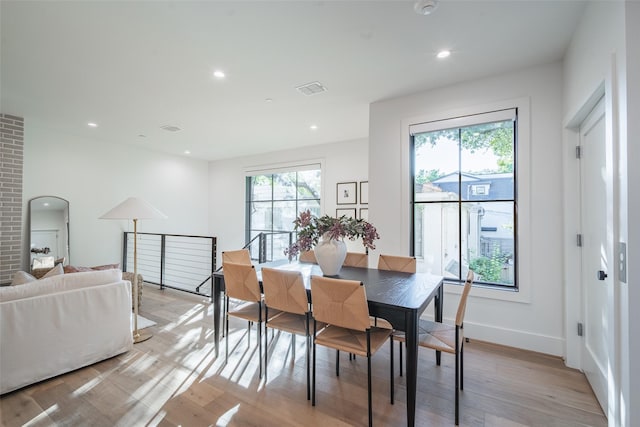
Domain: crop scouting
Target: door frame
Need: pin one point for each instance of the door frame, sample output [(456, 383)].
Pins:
[(574, 312)]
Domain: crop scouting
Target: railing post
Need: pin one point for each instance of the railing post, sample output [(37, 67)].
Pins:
[(262, 245), (162, 259), (124, 252)]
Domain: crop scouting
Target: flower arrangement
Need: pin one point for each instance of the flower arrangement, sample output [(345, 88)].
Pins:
[(310, 228)]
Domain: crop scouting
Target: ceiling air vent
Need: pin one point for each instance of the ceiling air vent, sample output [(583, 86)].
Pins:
[(312, 88), (170, 128)]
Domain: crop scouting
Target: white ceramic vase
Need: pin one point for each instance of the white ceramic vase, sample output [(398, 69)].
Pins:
[(330, 254)]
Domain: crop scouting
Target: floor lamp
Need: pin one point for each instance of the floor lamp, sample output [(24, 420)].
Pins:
[(135, 209)]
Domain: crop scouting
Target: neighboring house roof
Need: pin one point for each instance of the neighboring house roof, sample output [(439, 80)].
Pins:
[(491, 186)]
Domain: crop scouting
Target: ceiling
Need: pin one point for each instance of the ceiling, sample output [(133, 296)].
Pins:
[(133, 67)]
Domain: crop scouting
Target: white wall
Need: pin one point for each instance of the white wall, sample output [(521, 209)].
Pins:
[(95, 176), (342, 162), (535, 321), (604, 53)]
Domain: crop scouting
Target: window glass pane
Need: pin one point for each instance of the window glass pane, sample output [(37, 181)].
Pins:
[(438, 237), (261, 187), (309, 184), (488, 246), (284, 213), (486, 158), (436, 165), (284, 186), (312, 205), (261, 216)]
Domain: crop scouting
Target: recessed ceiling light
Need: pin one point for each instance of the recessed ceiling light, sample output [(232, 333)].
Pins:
[(425, 7), (92, 125), (444, 54), (45, 204), (187, 152), (218, 74), (313, 127), (268, 100)]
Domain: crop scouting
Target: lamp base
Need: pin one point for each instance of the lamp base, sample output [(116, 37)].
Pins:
[(141, 336)]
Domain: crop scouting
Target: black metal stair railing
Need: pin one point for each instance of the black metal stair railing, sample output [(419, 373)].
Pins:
[(174, 261)]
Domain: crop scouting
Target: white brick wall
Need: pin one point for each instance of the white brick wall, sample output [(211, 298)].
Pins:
[(11, 161)]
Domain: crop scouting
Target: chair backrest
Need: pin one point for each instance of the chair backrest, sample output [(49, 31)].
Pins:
[(284, 290), (462, 306), (340, 302), (308, 256), (405, 264), (241, 256), (241, 282), (356, 259)]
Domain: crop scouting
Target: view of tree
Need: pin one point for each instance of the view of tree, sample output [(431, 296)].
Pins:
[(497, 137), (423, 176)]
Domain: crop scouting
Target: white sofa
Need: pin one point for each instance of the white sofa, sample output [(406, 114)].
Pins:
[(61, 323)]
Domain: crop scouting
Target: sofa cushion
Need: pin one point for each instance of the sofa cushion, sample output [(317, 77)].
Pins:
[(22, 277), (59, 283)]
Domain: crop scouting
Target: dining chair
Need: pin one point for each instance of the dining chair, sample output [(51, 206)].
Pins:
[(240, 256), (308, 256), (284, 291), (241, 283), (356, 259), (449, 338), (404, 264), (342, 305)]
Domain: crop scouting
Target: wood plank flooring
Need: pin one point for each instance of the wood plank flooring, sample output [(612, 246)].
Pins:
[(174, 379)]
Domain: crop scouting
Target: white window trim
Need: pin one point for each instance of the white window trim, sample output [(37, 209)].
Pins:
[(523, 152)]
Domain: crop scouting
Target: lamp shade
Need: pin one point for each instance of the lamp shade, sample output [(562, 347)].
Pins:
[(134, 208)]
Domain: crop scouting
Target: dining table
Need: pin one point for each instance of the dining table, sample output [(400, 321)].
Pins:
[(398, 297)]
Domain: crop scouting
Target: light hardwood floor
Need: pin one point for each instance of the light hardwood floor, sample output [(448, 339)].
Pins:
[(174, 379)]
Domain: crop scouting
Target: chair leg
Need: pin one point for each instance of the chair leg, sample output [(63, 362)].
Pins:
[(337, 363), (308, 351), (401, 358), (226, 316), (369, 378), (293, 347), (266, 349), (313, 386), (391, 370), (457, 387), (462, 367)]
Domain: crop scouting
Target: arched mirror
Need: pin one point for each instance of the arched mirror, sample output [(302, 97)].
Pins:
[(49, 237)]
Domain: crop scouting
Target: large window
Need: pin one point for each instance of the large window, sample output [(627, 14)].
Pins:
[(273, 202), (464, 197)]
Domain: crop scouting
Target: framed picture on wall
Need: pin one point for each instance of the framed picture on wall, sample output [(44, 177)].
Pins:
[(364, 192), (348, 212), (346, 193), (364, 214)]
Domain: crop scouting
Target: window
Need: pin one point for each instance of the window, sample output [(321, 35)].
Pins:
[(274, 199), (464, 197)]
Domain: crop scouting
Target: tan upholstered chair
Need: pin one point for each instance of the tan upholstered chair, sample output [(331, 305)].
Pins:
[(342, 305), (404, 264), (356, 259), (126, 275), (285, 291), (241, 283), (308, 256), (449, 338), (241, 256)]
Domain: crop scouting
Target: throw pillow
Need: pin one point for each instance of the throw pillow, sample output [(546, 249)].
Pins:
[(54, 271), (106, 267), (22, 277)]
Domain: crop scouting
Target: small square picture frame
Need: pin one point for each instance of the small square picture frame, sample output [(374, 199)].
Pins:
[(364, 192), (364, 214), (347, 193), (348, 212)]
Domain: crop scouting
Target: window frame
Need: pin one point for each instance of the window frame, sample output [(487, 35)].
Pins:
[(523, 192)]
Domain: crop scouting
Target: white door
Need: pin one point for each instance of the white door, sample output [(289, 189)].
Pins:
[(595, 263)]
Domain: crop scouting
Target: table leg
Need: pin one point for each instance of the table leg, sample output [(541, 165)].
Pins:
[(217, 289), (437, 308), (411, 337)]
